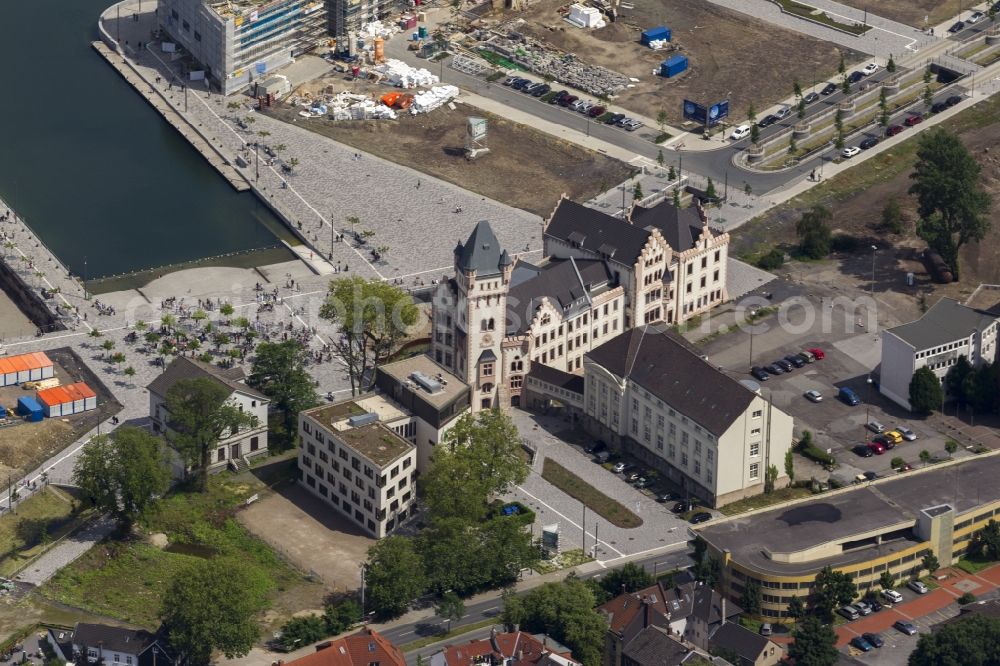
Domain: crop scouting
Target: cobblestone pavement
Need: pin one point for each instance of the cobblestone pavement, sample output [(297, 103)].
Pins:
[(64, 552), (659, 529)]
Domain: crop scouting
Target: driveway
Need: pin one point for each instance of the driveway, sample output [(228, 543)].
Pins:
[(548, 436)]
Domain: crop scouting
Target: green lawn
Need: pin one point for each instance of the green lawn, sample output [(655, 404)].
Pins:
[(974, 565), (808, 12), (126, 579), (571, 484), (761, 501), (39, 521)]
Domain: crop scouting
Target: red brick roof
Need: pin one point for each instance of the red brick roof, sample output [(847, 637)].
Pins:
[(523, 649), (360, 649)]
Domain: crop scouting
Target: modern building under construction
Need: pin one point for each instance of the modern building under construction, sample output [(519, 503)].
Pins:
[(347, 16), (239, 42)]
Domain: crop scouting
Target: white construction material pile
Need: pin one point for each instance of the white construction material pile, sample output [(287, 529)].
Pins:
[(377, 29), (349, 106), (585, 17), (432, 99), (398, 73), (657, 44)]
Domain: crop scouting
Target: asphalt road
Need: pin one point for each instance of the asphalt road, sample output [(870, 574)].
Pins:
[(492, 607)]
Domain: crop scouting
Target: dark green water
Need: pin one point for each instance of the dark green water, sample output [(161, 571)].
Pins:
[(93, 168)]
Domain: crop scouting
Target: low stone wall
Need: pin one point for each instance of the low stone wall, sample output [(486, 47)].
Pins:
[(28, 301)]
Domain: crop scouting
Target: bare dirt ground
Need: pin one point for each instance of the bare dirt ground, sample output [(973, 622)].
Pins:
[(524, 168), (723, 48), (912, 12), (856, 202)]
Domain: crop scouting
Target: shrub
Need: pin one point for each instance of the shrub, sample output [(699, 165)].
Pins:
[(966, 598), (844, 244), (772, 260), (897, 462)]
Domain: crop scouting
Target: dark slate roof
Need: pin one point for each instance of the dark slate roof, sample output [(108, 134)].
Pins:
[(668, 366), (680, 227), (565, 282), (747, 644), (482, 252), (112, 639), (653, 646), (183, 367), (555, 377), (597, 232), (946, 321)]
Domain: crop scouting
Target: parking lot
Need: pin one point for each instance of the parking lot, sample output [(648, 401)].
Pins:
[(852, 353), (591, 109)]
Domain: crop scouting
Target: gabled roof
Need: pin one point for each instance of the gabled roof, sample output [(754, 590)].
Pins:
[(112, 639), (520, 648), (671, 603), (654, 646), (481, 252), (183, 367), (360, 649), (946, 321), (680, 227), (556, 377), (564, 282), (667, 366), (747, 644), (598, 232)]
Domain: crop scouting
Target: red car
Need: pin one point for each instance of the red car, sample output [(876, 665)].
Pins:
[(877, 448), (915, 119), (893, 130), (817, 352)]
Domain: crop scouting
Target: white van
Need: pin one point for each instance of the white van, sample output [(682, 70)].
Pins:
[(740, 132)]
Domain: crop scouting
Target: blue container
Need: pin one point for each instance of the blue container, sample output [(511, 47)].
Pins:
[(673, 66), (416, 36), (653, 34), (30, 409)]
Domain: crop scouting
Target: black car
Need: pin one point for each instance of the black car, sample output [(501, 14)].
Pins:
[(541, 90), (953, 100), (876, 606), (769, 119), (795, 360), (784, 365), (520, 84), (681, 507), (870, 142), (871, 476), (558, 96), (957, 26), (829, 89), (874, 639), (613, 119), (702, 517), (812, 97), (773, 369), (939, 107), (596, 447), (759, 373), (855, 77), (862, 451)]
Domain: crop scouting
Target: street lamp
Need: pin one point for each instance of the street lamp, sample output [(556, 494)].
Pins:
[(874, 252), (753, 313)]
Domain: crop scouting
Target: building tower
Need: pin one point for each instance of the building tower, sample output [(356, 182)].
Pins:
[(482, 277)]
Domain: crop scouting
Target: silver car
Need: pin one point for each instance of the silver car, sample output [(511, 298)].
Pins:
[(814, 396), (907, 434)]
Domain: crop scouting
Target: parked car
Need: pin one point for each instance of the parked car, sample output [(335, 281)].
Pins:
[(596, 447), (907, 434), (855, 77), (869, 142), (863, 607), (860, 643), (810, 98), (783, 112), (614, 118), (918, 587), (877, 448), (829, 89), (850, 151), (809, 358), (641, 482), (773, 369), (871, 476), (892, 596), (848, 396), (682, 506), (541, 90), (568, 99), (953, 100), (621, 122), (509, 80), (887, 442), (818, 353), (596, 111), (633, 125), (875, 427), (768, 120), (915, 119), (558, 96), (850, 612), (618, 468), (869, 69), (784, 365), (872, 602), (957, 26), (874, 639), (894, 436), (602, 457), (702, 517), (976, 17), (760, 374), (939, 107), (814, 396), (905, 627), (795, 360), (668, 496), (766, 629), (862, 451), (893, 130), (740, 132), (580, 105)]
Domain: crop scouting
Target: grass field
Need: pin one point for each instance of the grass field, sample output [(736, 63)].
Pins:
[(126, 579), (974, 565), (571, 484), (762, 501), (39, 521)]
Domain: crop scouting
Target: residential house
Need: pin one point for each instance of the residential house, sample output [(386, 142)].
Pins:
[(365, 648), (653, 395), (236, 448), (945, 332), (515, 648), (655, 646), (117, 646), (744, 647)]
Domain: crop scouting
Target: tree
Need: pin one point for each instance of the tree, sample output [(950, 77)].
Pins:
[(890, 66), (671, 174), (199, 414), (770, 476), (792, 145), (752, 597), (925, 457), (747, 189), (754, 133), (839, 141), (661, 119), (973, 640), (801, 112), (955, 380), (814, 233), (841, 66), (211, 605), (450, 608), (292, 163), (930, 563), (278, 371), (124, 474), (797, 89), (887, 581), (926, 393), (796, 608), (832, 589), (952, 204), (629, 578), (987, 541), (710, 193), (129, 372), (928, 97), (566, 612), (790, 466), (752, 113), (227, 310), (896, 462), (108, 345), (374, 317), (928, 75), (659, 157), (883, 105), (676, 198), (814, 644), (637, 191), (892, 216), (394, 576), (845, 85)]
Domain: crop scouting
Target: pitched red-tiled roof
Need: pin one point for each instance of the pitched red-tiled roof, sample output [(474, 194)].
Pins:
[(523, 649), (360, 649)]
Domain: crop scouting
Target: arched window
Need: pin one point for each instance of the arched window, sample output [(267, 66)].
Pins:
[(487, 388), (492, 324), (485, 325)]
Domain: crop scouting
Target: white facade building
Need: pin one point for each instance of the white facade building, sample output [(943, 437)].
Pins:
[(651, 394), (936, 340)]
